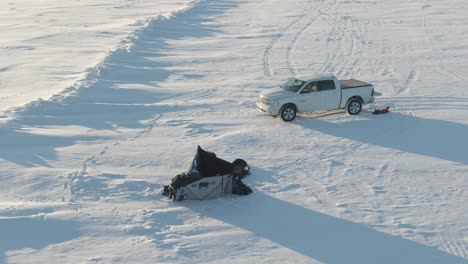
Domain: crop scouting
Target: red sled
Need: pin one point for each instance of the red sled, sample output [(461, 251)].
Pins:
[(381, 111)]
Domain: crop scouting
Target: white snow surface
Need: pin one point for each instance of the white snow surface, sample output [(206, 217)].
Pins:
[(130, 88), (48, 45)]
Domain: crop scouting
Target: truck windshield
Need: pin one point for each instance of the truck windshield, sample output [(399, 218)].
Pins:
[(293, 85)]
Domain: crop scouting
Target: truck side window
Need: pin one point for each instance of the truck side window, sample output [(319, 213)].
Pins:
[(326, 85), (310, 87)]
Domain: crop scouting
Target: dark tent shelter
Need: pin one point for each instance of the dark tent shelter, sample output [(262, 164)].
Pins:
[(209, 177)]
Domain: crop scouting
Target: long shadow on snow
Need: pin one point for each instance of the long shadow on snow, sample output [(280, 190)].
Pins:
[(28, 149), (18, 233), (124, 93), (321, 237), (436, 138)]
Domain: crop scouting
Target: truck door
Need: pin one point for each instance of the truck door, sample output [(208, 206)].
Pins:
[(329, 97), (309, 98)]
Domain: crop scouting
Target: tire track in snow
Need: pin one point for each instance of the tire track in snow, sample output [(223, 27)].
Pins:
[(331, 54), (412, 77), (335, 38), (342, 43), (337, 52), (291, 46), (267, 68), (347, 39)]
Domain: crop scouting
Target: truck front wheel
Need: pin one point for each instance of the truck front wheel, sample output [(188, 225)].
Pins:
[(354, 107), (288, 113)]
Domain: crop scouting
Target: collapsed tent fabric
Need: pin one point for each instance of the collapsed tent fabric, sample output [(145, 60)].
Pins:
[(209, 177)]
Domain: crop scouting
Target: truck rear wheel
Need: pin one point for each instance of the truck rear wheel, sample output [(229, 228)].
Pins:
[(288, 113), (354, 107)]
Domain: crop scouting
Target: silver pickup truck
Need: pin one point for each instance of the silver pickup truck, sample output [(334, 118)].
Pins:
[(317, 93)]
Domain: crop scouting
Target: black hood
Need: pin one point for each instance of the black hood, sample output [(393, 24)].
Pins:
[(206, 164)]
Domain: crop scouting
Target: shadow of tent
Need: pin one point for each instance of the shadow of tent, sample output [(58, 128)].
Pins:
[(322, 237), (436, 138), (18, 233)]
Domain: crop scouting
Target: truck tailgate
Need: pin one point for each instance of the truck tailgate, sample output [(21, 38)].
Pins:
[(347, 84)]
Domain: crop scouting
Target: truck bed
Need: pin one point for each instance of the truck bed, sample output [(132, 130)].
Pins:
[(347, 84)]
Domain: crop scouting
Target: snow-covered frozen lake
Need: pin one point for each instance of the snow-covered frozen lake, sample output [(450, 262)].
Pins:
[(130, 88), (46, 46)]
